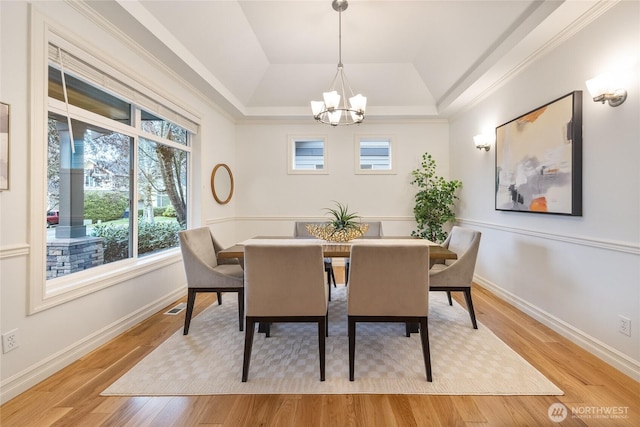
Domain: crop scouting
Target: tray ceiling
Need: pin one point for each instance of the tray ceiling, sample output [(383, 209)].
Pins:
[(412, 59)]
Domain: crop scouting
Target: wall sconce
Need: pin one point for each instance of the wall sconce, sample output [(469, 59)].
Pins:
[(483, 141), (603, 88)]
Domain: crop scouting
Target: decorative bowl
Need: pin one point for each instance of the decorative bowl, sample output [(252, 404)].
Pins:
[(328, 232)]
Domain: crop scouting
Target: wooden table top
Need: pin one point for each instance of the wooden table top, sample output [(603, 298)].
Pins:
[(339, 250)]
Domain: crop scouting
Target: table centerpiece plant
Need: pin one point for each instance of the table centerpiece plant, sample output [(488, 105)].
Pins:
[(342, 227)]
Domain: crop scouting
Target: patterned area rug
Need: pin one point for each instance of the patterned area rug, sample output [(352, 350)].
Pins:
[(209, 359)]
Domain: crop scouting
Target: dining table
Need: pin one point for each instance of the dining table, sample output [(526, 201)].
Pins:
[(339, 249)]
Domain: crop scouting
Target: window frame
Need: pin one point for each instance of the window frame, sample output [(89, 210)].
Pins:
[(357, 143), (42, 293), (291, 148)]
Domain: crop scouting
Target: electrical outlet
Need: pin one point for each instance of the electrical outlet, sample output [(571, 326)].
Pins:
[(624, 325), (10, 341)]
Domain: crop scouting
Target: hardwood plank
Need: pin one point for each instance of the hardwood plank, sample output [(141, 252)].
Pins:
[(71, 397)]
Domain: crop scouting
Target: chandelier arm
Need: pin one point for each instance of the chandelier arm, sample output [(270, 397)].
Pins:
[(348, 84), (344, 95), (334, 82)]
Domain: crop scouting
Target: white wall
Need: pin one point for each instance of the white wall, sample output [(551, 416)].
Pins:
[(55, 337), (577, 274), (269, 199)]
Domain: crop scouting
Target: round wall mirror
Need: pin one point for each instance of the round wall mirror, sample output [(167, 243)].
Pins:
[(222, 183)]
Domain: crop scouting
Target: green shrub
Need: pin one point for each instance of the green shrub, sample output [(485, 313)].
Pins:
[(157, 235), (115, 241), (169, 212), (156, 211), (151, 237), (104, 206)]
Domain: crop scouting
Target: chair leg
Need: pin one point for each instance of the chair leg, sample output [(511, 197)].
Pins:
[(426, 353), (346, 273), (191, 300), (326, 323), (467, 297), (219, 298), (333, 277), (449, 297), (322, 331), (241, 308), (248, 344), (328, 271), (352, 347)]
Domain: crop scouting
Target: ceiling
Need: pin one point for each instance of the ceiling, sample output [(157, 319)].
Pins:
[(411, 59)]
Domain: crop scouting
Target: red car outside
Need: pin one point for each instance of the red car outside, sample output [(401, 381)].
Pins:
[(53, 217)]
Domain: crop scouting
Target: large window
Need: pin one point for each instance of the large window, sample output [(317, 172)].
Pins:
[(116, 174), (307, 155)]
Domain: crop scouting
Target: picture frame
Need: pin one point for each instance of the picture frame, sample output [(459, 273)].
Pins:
[(539, 159), (4, 146)]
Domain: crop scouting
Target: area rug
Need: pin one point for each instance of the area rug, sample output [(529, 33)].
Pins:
[(465, 361)]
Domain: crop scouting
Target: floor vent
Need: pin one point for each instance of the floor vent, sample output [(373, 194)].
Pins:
[(177, 309)]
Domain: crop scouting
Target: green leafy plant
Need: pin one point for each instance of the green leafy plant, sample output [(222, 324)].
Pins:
[(341, 218), (106, 206), (169, 211), (152, 237), (434, 201)]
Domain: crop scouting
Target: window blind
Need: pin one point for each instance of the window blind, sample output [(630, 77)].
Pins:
[(130, 91)]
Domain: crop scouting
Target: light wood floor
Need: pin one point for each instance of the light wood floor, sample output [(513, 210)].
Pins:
[(71, 397)]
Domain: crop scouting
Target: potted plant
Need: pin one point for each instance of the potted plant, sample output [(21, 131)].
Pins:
[(342, 227), (434, 201)]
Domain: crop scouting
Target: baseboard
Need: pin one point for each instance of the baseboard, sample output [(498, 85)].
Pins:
[(608, 354), (27, 378)]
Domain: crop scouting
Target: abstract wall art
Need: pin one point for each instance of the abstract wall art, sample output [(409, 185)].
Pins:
[(539, 159)]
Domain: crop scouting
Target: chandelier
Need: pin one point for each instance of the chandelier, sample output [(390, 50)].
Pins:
[(330, 110)]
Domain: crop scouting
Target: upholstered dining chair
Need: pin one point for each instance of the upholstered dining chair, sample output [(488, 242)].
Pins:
[(456, 275), (374, 230), (284, 282), (389, 282), (300, 231), (206, 273)]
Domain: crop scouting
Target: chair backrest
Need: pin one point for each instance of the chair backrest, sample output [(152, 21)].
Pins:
[(300, 228), (197, 245), (284, 279), (198, 255), (465, 243), (389, 278), (375, 229)]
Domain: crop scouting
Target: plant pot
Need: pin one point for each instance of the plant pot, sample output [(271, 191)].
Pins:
[(329, 233)]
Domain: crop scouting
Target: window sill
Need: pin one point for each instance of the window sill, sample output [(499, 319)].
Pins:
[(67, 288)]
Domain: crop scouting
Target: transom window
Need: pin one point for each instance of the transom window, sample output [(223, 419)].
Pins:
[(373, 155), (307, 155)]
